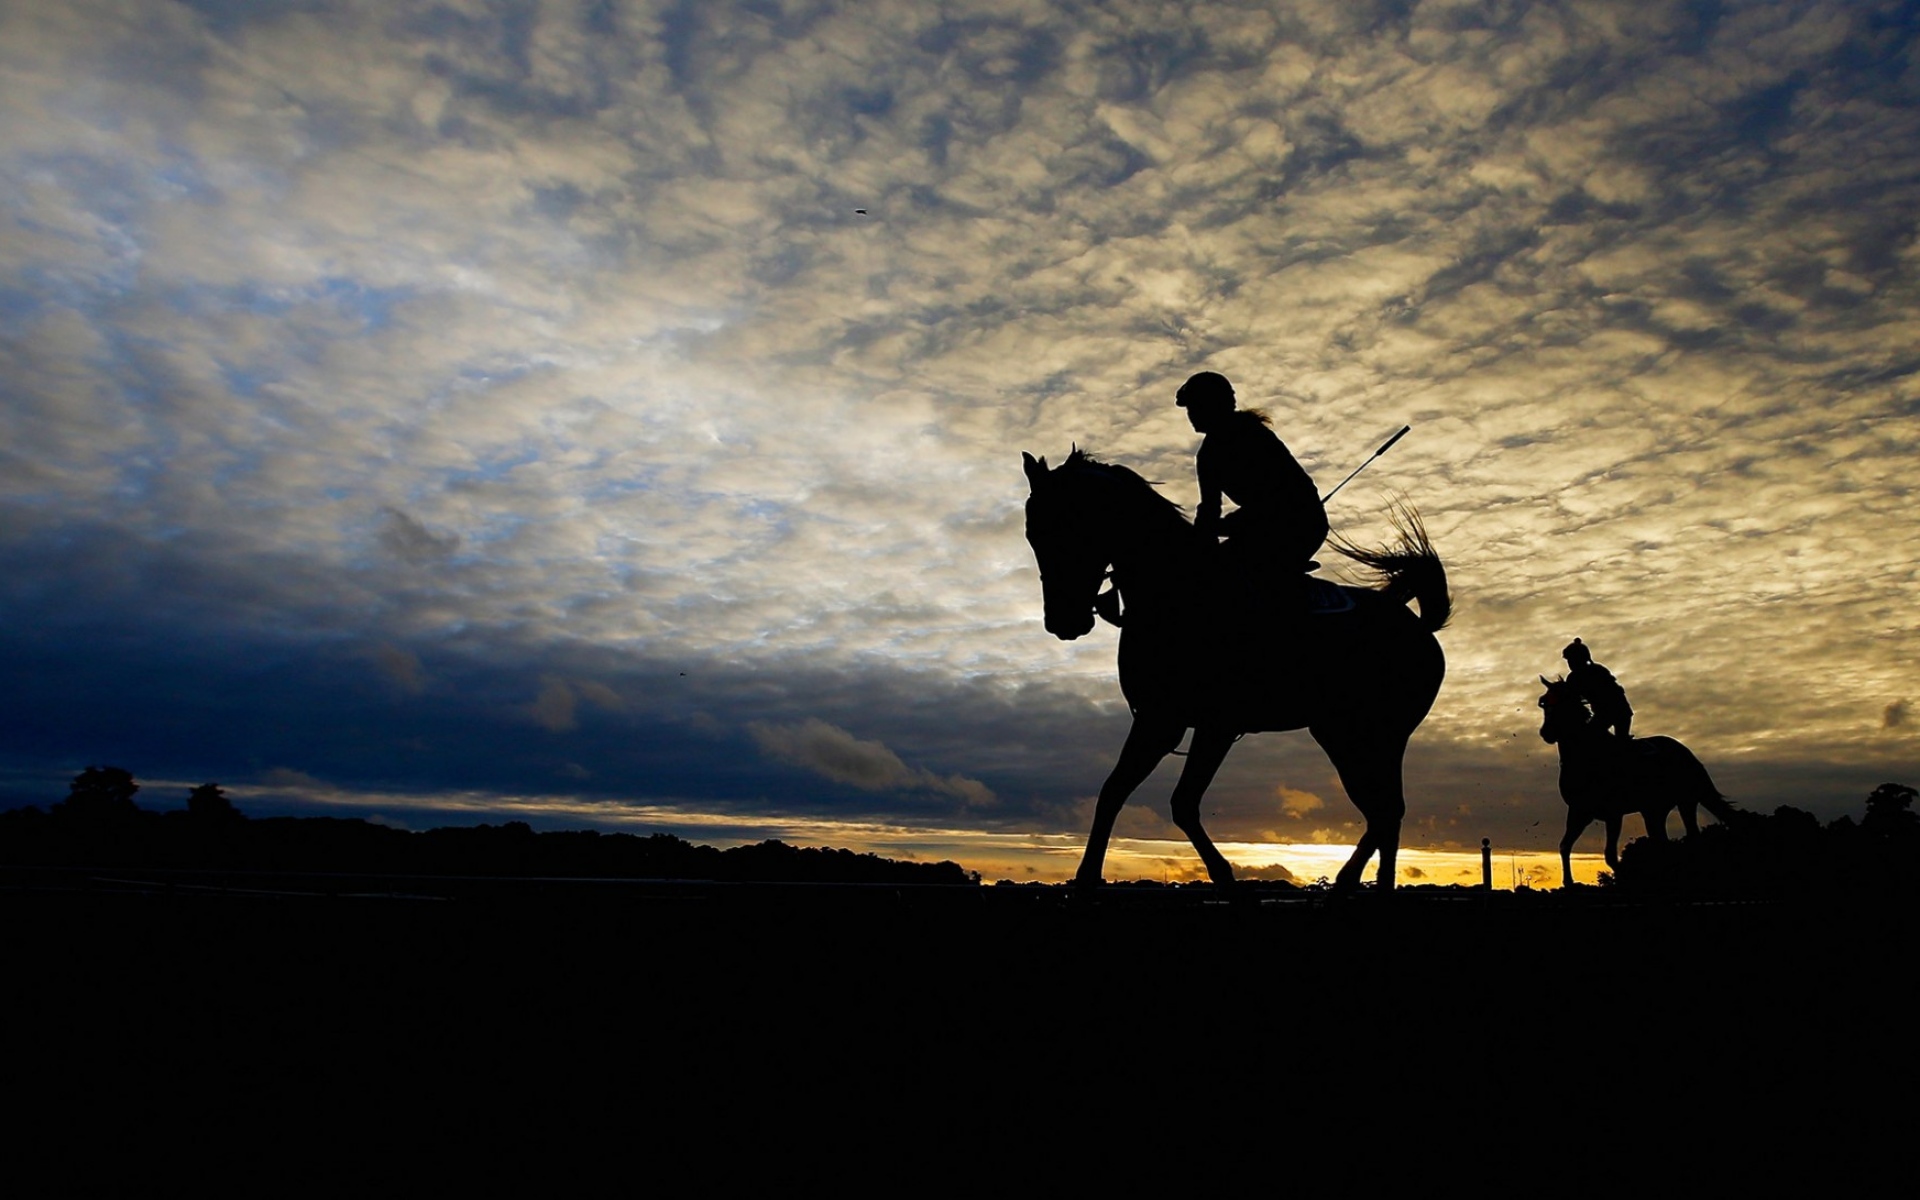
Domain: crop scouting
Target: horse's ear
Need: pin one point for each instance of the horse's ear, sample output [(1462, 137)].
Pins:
[(1036, 468), (1543, 679)]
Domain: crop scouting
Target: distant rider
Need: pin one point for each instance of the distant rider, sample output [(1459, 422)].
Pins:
[(1597, 686)]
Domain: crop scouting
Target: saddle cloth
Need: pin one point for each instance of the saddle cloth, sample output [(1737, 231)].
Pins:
[(1324, 598)]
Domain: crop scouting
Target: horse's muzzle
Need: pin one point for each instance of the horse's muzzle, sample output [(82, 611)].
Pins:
[(1067, 630)]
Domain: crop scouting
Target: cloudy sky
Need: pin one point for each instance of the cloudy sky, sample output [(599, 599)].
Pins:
[(610, 413)]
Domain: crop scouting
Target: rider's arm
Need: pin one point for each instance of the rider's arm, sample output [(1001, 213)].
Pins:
[(1206, 518)]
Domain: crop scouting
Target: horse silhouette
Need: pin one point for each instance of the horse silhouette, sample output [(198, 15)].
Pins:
[(1192, 657), (1603, 778)]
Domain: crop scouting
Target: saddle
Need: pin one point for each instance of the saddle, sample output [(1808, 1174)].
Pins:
[(1295, 597), (1325, 598)]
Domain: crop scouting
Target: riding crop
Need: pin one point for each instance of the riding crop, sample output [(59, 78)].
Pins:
[(1363, 466)]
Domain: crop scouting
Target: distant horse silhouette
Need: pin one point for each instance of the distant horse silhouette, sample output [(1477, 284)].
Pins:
[(1193, 657), (1603, 778)]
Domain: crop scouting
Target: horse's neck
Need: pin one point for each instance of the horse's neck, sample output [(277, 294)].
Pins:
[(1590, 744), (1153, 562)]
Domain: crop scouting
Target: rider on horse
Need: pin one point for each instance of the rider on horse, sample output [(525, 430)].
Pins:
[(1280, 522), (1597, 686)]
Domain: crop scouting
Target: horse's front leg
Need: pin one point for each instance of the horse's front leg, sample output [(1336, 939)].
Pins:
[(1613, 842), (1204, 756), (1149, 741)]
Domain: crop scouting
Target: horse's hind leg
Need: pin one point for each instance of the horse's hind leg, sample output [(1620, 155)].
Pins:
[(1349, 875), (1204, 756), (1369, 769), (1148, 742), (1689, 818)]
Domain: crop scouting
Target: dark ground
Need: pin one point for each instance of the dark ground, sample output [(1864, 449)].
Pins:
[(322, 1015)]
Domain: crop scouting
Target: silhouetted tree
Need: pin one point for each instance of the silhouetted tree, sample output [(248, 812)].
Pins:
[(209, 802), (1792, 825), (99, 825), (100, 793), (1890, 811)]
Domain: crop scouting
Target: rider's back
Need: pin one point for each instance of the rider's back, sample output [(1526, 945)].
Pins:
[(1248, 463)]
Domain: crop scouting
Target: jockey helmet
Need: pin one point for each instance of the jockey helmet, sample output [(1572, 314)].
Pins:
[(1205, 389)]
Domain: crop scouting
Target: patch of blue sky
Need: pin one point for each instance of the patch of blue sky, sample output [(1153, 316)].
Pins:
[(495, 469), (244, 382), (558, 202), (690, 324), (639, 478), (136, 475), (493, 530), (183, 179), (370, 308), (112, 190), (486, 375), (245, 297), (772, 512), (372, 305), (139, 471), (89, 279), (131, 354), (227, 16), (20, 306)]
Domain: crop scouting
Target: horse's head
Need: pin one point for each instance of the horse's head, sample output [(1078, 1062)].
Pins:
[(1065, 530), (1563, 712)]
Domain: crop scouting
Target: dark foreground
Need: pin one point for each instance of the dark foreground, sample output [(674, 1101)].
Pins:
[(325, 1011)]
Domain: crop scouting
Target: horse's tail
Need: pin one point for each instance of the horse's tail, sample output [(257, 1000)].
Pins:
[(1713, 799), (1408, 571), (1705, 793)]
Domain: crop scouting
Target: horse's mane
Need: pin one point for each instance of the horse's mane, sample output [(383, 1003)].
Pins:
[(1128, 477), (1563, 685)]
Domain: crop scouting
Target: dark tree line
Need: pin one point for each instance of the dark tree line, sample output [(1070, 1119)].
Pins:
[(1788, 852), (99, 825)]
